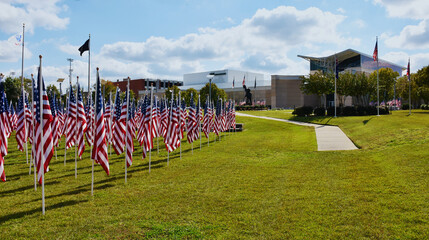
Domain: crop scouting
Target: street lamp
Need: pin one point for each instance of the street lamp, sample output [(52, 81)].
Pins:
[(210, 77), (60, 80)]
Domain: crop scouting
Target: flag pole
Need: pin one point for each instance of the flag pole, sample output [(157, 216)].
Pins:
[(33, 157), (76, 133), (199, 120), (42, 156), (158, 128), (22, 84), (409, 86), (93, 134), (180, 125), (378, 90), (126, 124), (150, 123), (110, 122), (65, 132)]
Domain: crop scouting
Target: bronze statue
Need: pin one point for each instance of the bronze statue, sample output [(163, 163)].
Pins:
[(248, 95)]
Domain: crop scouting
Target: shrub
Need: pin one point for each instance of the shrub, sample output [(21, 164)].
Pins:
[(349, 111), (423, 107), (405, 106), (331, 111), (361, 110), (319, 111), (303, 111), (384, 110)]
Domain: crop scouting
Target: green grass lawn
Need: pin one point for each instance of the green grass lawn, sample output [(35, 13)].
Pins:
[(268, 182)]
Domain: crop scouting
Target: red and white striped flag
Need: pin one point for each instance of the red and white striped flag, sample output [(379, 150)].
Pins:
[(70, 126), (131, 133), (43, 153), (99, 151), (81, 123), (21, 129), (90, 122), (119, 125)]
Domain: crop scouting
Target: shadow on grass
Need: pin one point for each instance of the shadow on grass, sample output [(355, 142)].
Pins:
[(36, 210), (16, 190), (366, 121), (323, 120)]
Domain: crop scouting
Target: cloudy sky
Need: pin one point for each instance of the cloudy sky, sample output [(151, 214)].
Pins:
[(168, 38)]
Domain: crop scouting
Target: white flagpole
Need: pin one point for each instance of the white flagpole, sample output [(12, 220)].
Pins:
[(32, 156), (93, 134), (180, 125), (157, 138), (171, 118), (126, 125), (22, 84), (111, 123), (42, 156), (150, 123), (65, 127), (76, 133), (378, 91)]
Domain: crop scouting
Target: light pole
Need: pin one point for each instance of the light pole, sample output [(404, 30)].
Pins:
[(210, 77), (60, 80), (70, 70)]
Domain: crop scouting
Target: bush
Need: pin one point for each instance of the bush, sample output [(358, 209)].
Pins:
[(319, 111), (424, 107), (384, 110), (331, 111), (303, 111), (361, 110), (405, 106), (250, 108), (349, 111)]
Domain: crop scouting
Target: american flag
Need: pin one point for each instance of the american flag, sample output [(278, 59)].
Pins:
[(81, 122), (13, 118), (208, 118), (70, 126), (172, 137), (147, 127), (192, 122), (90, 122), (155, 119), (182, 118), (60, 116), (217, 122), (42, 152), (99, 151), (55, 121), (108, 120), (223, 117), (21, 124), (4, 121), (131, 133), (375, 54), (140, 131), (244, 80), (28, 118), (119, 126), (164, 118), (199, 117)]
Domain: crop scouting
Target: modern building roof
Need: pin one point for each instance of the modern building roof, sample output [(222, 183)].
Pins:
[(346, 54)]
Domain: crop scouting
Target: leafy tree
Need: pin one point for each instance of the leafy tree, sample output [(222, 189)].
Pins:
[(357, 85), (187, 95), (216, 93), (52, 89), (175, 89), (387, 78), (319, 84), (402, 88)]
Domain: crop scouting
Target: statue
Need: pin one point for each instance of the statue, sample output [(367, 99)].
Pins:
[(248, 95)]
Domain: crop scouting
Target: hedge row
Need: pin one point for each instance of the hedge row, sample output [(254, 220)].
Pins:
[(306, 111), (424, 106), (250, 108)]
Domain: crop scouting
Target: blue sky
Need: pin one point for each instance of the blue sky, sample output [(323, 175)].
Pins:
[(168, 38)]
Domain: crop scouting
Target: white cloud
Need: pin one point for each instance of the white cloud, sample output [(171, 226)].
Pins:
[(417, 61), (341, 10), (260, 43), (11, 52), (360, 23), (33, 13), (69, 49), (414, 9), (411, 37)]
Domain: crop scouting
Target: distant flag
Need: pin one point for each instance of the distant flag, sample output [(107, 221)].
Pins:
[(13, 117), (4, 121), (55, 122), (408, 70), (375, 54), (71, 121), (192, 121), (2, 172), (90, 122), (99, 151), (233, 82), (131, 133), (244, 80), (18, 38), (84, 47), (255, 83), (21, 124)]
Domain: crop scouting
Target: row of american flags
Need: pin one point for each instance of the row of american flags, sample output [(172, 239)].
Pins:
[(120, 124)]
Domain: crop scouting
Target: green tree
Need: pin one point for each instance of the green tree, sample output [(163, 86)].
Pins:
[(175, 89), (422, 84), (217, 93), (357, 85), (187, 95), (52, 89), (387, 78), (122, 95), (318, 83), (402, 89), (12, 88)]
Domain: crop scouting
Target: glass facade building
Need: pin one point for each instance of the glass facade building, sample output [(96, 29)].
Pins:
[(351, 60)]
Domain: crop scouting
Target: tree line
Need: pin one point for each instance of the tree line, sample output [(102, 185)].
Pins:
[(362, 87)]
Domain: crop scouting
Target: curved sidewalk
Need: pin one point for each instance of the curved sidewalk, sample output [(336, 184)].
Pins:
[(329, 138)]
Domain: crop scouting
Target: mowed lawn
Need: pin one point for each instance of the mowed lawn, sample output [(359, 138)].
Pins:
[(267, 182)]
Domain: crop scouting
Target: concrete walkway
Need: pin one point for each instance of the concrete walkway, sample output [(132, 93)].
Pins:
[(329, 138)]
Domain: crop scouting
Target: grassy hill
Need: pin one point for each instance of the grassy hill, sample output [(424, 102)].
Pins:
[(267, 182)]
